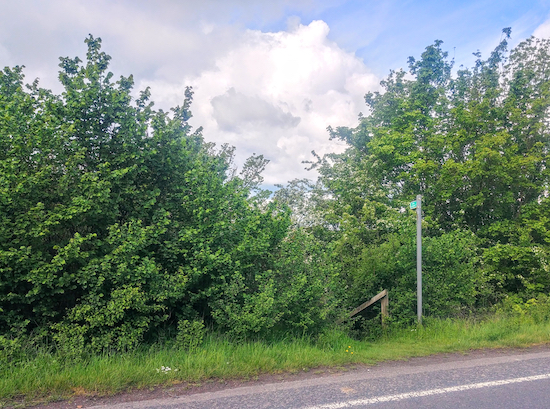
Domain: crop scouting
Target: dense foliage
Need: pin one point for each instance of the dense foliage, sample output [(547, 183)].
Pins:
[(475, 145), (119, 223)]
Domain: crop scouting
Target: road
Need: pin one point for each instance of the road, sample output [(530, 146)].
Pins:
[(512, 379)]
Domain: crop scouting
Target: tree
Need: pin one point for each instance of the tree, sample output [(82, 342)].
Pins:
[(474, 144), (117, 219)]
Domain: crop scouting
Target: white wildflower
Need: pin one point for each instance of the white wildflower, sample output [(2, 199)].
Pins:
[(165, 369)]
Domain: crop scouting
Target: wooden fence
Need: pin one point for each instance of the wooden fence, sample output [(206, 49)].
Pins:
[(384, 304)]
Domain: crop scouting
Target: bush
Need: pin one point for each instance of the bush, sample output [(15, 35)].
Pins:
[(118, 219), (10, 350), (452, 280), (190, 334), (298, 296)]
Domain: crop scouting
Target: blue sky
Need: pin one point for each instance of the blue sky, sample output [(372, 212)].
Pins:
[(270, 76), (385, 33)]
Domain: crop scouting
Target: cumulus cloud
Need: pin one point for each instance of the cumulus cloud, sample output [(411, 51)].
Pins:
[(275, 94), (235, 112), (271, 93)]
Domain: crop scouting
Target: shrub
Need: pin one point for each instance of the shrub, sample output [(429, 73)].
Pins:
[(190, 334)]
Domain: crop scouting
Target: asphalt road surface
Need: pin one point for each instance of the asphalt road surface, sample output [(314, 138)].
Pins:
[(512, 379)]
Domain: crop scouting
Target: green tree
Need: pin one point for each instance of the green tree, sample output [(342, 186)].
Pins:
[(118, 220), (475, 144)]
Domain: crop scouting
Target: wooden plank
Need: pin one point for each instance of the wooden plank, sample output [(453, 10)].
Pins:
[(385, 303), (369, 303)]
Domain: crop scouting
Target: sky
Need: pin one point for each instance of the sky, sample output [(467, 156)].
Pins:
[(268, 76)]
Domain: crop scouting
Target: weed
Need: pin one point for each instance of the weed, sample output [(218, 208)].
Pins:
[(219, 358)]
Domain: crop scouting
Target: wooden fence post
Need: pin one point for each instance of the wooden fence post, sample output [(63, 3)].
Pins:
[(384, 303)]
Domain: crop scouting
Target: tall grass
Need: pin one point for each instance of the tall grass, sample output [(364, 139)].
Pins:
[(42, 374)]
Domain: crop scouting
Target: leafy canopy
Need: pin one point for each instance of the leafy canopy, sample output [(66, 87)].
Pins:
[(119, 221)]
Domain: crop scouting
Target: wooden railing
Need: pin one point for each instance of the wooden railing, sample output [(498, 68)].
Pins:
[(384, 303)]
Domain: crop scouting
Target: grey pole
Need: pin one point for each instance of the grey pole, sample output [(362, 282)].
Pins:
[(419, 257)]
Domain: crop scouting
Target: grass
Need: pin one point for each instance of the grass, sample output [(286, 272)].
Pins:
[(47, 376)]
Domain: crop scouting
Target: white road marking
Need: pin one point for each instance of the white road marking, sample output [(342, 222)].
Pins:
[(409, 395)]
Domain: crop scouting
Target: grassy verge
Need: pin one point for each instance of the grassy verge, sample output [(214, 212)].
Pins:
[(48, 376)]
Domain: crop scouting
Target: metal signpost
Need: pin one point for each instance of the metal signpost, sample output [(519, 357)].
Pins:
[(417, 204)]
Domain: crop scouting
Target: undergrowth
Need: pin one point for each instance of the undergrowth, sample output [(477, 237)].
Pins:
[(31, 373)]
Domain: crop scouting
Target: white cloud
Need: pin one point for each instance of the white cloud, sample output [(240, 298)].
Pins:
[(5, 58), (271, 93), (543, 31), (275, 94), (148, 39), (233, 111)]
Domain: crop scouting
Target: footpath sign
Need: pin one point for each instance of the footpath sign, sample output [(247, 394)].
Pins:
[(417, 205)]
